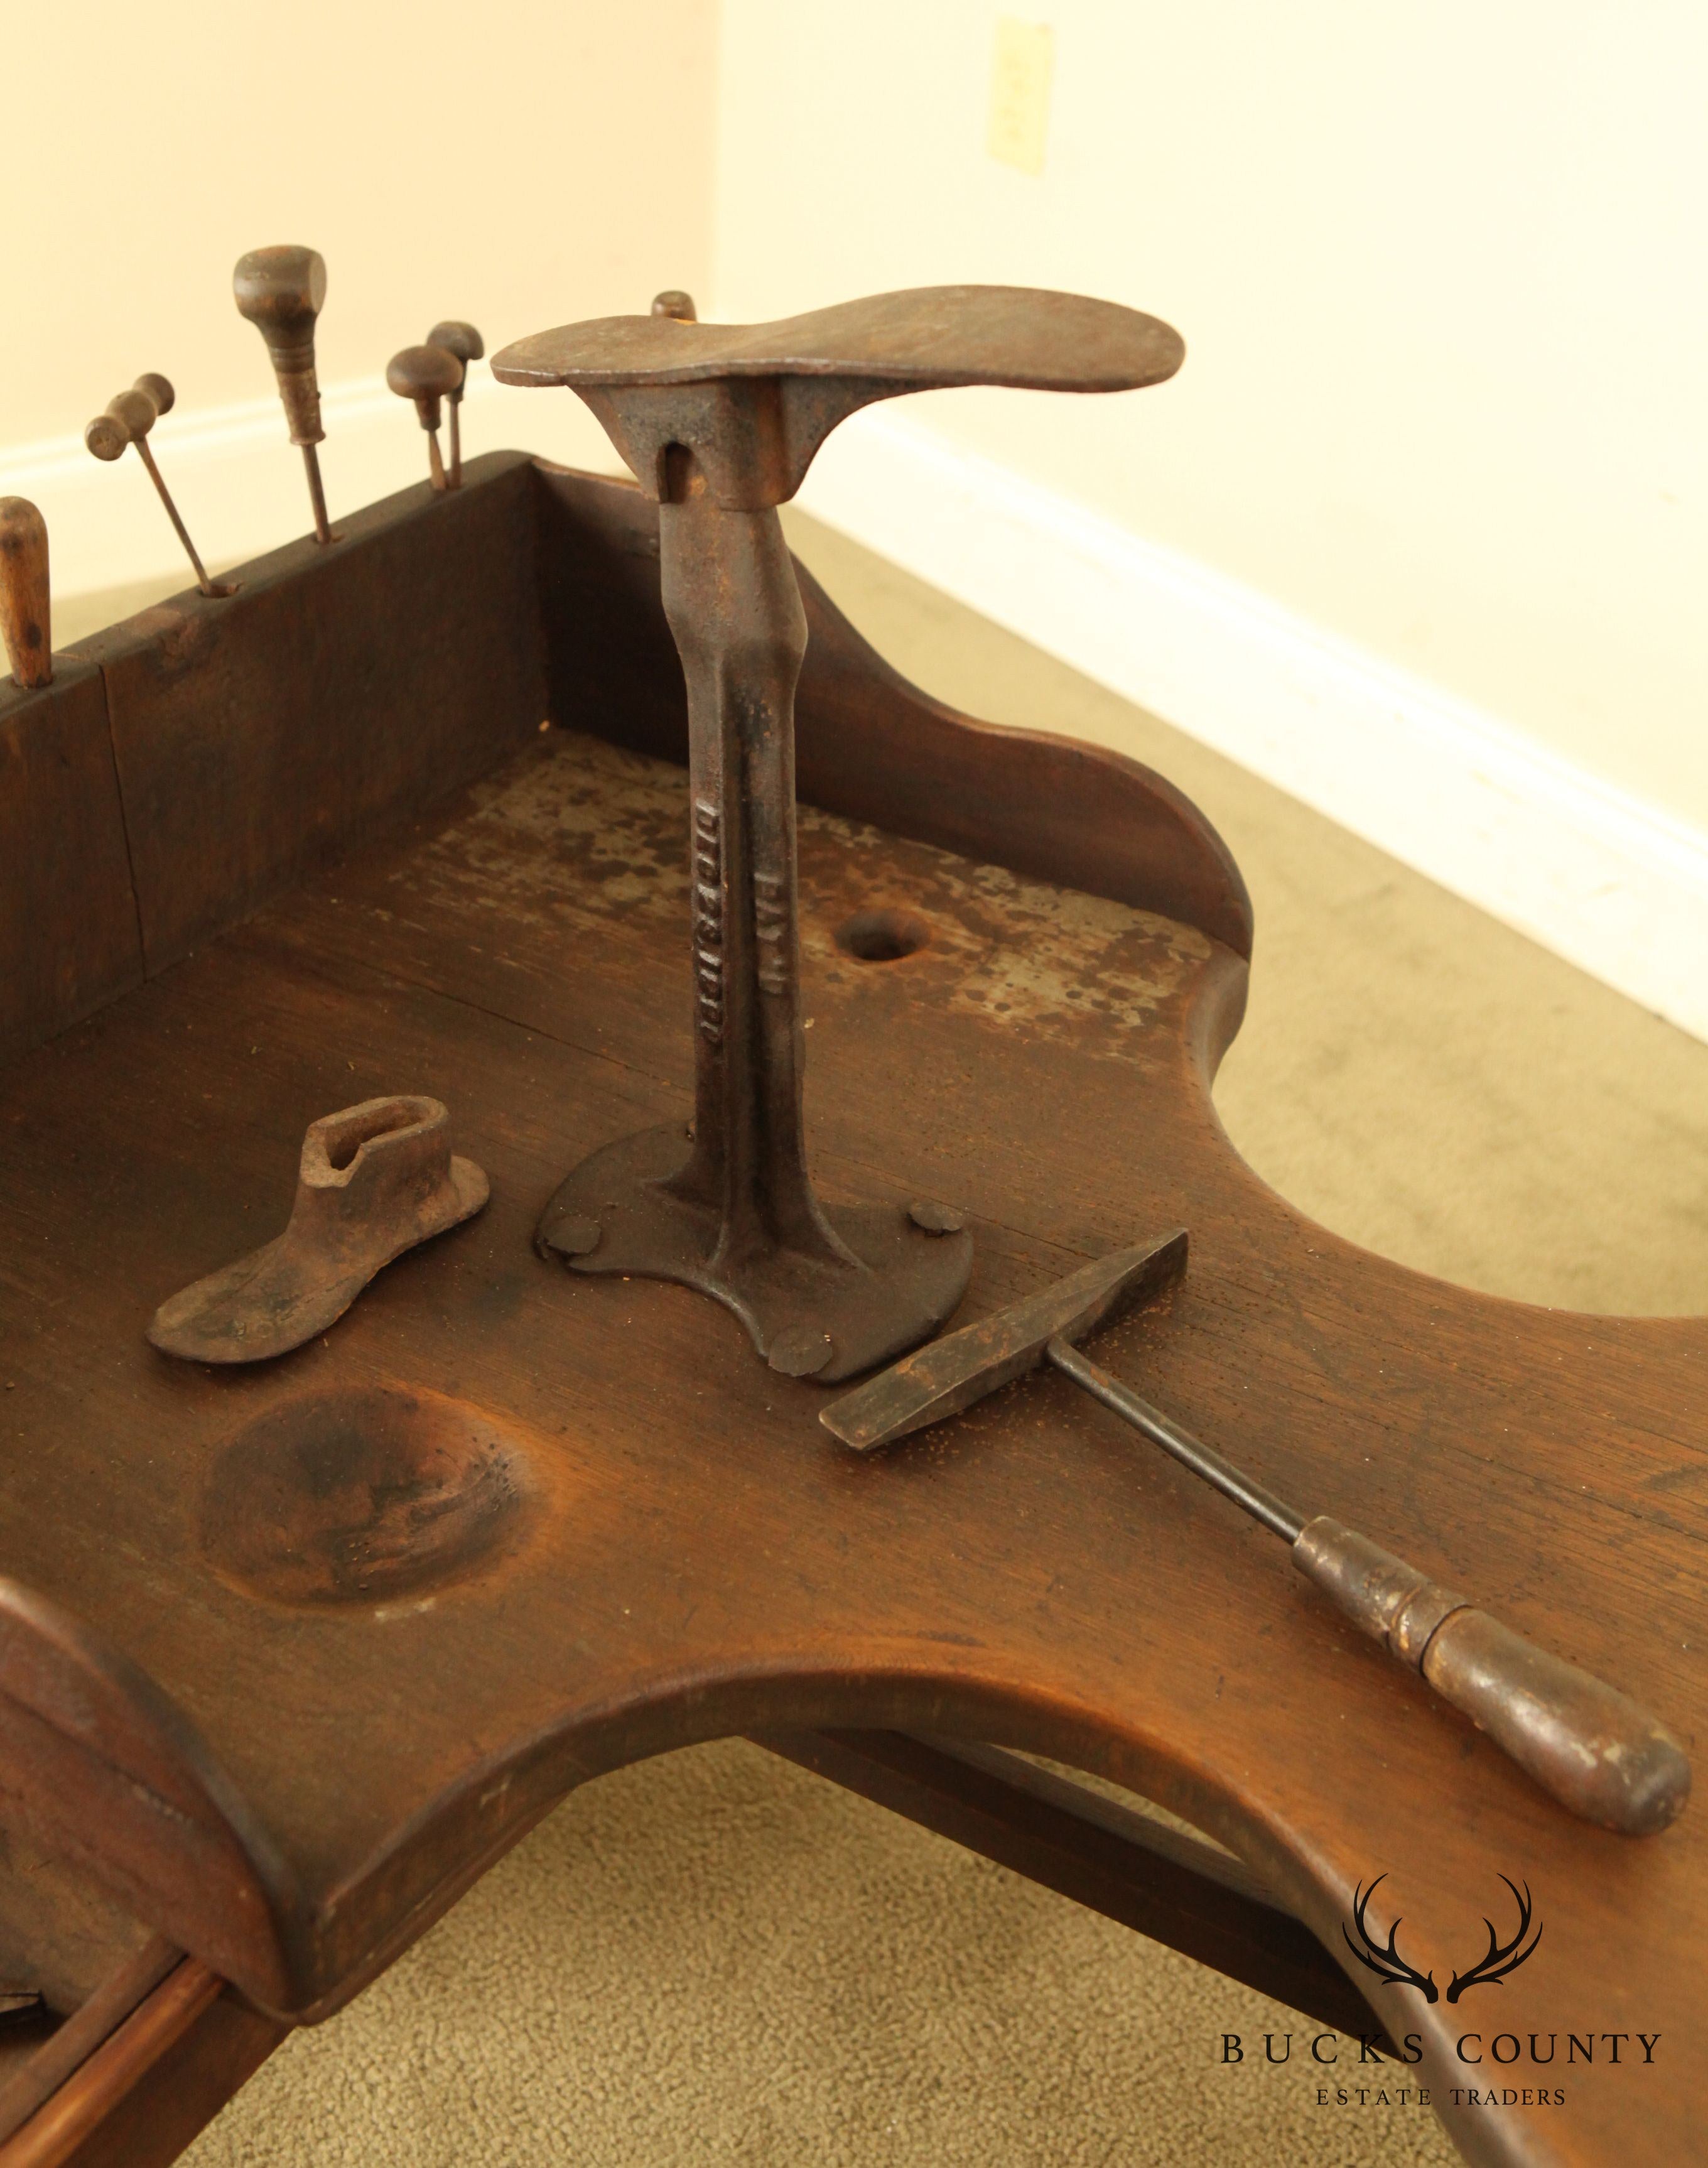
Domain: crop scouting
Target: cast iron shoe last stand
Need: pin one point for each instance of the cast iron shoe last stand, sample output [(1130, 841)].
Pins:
[(719, 424)]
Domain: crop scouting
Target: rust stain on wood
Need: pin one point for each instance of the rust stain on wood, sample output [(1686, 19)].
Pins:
[(582, 836)]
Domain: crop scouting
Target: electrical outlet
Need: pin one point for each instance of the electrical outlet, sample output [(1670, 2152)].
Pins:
[(1021, 68)]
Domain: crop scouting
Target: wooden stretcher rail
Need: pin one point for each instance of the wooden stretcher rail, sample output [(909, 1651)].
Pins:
[(54, 2064), (131, 2078), (1130, 1867)]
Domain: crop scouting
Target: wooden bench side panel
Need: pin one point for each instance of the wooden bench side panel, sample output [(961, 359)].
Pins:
[(341, 688), (108, 1775), (69, 938)]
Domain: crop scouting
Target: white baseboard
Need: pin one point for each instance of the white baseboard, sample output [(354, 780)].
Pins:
[(240, 485), (1614, 885)]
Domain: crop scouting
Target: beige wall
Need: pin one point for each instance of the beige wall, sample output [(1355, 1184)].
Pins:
[(1439, 266), (517, 164)]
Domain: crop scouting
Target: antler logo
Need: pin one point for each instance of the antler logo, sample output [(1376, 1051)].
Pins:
[(1502, 1958), (1383, 1958), (1385, 1961)]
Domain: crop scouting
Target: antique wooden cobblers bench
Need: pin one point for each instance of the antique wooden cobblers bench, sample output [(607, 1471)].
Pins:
[(291, 1653)]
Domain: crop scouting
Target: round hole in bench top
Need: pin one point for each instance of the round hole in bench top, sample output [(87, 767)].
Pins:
[(883, 935), (364, 1496)]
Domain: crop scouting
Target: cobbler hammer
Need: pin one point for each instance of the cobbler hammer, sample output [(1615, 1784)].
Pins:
[(719, 422), (1594, 1749)]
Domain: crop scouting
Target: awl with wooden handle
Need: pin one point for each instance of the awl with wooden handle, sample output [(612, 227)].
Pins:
[(466, 343), (127, 420), (427, 375), (280, 291)]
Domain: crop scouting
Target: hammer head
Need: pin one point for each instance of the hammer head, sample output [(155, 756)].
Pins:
[(949, 1374)]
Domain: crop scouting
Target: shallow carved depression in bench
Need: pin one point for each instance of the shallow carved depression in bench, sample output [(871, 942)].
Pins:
[(361, 1497)]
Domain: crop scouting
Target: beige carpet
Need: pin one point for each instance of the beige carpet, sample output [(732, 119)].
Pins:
[(716, 1958)]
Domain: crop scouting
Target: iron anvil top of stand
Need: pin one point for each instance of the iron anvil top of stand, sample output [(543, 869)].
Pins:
[(793, 381), (921, 338)]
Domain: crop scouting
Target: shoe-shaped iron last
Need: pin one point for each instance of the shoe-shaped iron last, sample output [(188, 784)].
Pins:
[(719, 423), (373, 1180)]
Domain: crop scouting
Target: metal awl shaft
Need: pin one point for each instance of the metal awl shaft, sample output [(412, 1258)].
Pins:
[(172, 513), (1275, 1514), (317, 494)]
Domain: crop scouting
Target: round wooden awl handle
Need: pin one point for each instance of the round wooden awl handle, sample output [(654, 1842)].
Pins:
[(281, 290), (24, 616), (1594, 1749), (462, 340), (425, 375)]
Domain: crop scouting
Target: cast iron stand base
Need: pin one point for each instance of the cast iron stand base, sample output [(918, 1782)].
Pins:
[(623, 1210)]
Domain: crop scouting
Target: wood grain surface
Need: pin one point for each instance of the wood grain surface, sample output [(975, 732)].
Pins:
[(339, 685), (700, 1558), (69, 937)]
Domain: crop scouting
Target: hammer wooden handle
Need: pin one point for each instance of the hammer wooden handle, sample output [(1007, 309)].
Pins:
[(1594, 1749), (24, 592)]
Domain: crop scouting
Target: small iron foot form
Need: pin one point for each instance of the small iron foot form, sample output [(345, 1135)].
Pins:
[(876, 1279), (373, 1180), (719, 424)]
